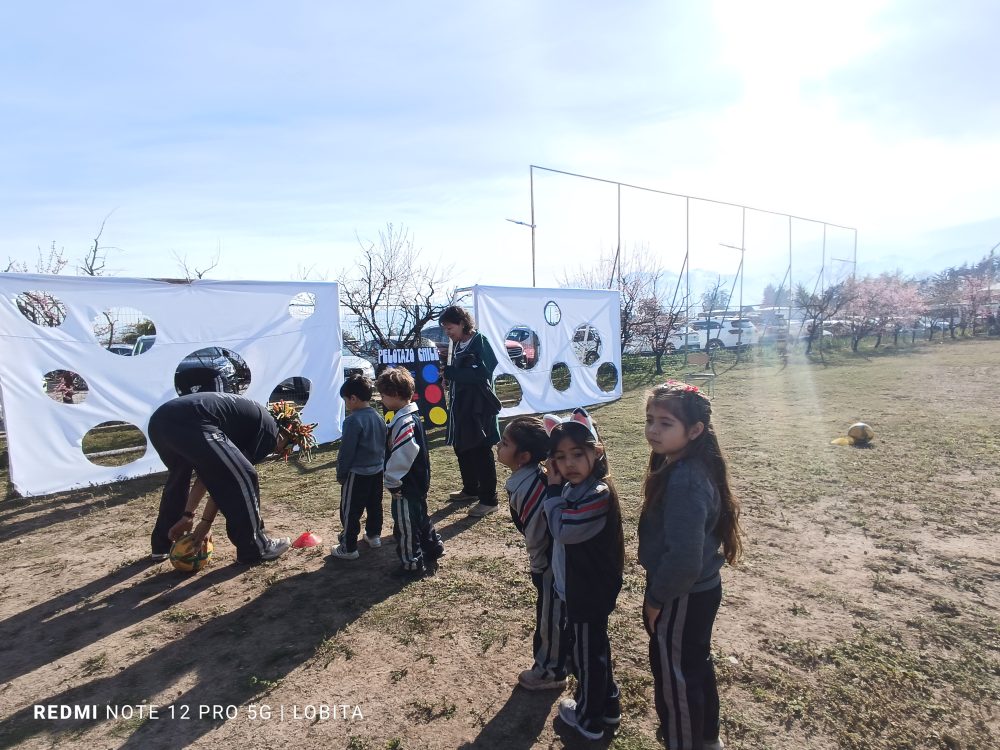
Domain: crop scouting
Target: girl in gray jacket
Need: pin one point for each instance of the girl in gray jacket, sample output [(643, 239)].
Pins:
[(688, 527)]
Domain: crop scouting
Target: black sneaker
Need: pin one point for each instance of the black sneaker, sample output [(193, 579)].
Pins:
[(434, 551), (407, 574)]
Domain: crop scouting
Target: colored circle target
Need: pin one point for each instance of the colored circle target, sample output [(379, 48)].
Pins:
[(432, 394), (431, 373), (438, 415)]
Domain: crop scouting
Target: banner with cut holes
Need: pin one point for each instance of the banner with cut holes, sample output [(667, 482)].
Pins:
[(557, 348), (85, 362)]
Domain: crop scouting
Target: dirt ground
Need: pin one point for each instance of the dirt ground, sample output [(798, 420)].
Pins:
[(864, 616)]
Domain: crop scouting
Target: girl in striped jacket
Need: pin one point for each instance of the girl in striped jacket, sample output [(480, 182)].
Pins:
[(522, 448), (588, 557)]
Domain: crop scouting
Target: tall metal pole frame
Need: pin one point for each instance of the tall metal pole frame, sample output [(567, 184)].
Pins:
[(687, 200), (789, 320), (531, 178)]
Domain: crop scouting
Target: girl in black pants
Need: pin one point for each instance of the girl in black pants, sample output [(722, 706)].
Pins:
[(688, 528)]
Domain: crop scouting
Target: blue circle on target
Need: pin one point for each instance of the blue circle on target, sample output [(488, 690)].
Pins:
[(431, 374)]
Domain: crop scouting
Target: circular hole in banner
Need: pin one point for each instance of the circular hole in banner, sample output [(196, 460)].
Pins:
[(291, 389), (432, 394), (607, 377), (522, 347), (114, 444), (587, 344), (508, 390), (438, 415), (118, 329), (561, 377), (65, 386), (552, 313), (212, 369), (41, 308), (302, 305)]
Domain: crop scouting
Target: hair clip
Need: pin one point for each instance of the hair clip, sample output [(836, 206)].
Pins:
[(578, 415)]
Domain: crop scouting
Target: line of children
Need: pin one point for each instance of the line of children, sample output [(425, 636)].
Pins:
[(571, 519)]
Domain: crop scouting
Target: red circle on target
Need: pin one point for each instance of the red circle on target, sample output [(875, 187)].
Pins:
[(432, 394)]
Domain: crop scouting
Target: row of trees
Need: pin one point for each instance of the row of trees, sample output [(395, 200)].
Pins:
[(958, 300)]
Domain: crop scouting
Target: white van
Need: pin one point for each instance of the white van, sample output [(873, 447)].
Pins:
[(720, 333)]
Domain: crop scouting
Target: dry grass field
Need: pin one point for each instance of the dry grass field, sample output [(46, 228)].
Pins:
[(865, 614)]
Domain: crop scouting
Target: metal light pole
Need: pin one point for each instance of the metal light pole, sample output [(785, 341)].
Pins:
[(526, 224)]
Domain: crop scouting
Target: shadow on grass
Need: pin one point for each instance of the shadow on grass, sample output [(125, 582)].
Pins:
[(234, 659), (79, 618), (518, 724)]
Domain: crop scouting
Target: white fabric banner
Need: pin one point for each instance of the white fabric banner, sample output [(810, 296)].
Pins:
[(578, 328), (250, 318)]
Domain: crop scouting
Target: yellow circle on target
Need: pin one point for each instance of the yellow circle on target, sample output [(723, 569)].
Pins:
[(438, 415)]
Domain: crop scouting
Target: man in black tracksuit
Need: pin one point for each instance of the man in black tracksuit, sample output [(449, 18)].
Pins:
[(220, 436)]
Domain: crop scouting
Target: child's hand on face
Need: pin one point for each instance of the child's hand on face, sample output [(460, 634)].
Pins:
[(552, 472)]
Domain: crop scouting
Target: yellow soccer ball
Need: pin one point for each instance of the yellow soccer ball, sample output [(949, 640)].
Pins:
[(185, 558), (861, 432)]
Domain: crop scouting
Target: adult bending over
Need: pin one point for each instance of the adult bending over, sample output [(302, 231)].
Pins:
[(473, 427), (220, 436)]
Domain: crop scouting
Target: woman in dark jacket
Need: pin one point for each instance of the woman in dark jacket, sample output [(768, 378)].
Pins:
[(473, 427)]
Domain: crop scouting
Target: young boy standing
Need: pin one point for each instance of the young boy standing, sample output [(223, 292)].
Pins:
[(359, 468), (408, 475)]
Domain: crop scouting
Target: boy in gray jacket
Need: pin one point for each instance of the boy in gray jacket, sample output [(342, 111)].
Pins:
[(359, 468)]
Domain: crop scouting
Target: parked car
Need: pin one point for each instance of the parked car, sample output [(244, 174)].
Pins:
[(355, 365), (587, 344), (686, 339), (142, 344), (718, 333), (528, 341), (208, 369), (122, 349)]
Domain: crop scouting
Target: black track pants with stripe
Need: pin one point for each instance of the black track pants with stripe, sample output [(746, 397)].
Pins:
[(597, 695), (550, 644), (680, 654), (230, 478), (361, 493), (414, 533)]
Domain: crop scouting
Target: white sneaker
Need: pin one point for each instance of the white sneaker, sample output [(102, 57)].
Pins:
[(276, 548), (341, 552), (480, 509), (713, 745), (373, 541), (159, 556), (567, 712), (461, 496)]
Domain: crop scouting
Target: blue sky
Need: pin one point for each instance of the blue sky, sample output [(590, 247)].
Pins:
[(280, 133)]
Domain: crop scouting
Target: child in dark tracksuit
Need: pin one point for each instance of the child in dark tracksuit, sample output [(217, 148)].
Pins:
[(523, 445), (408, 476), (588, 559), (359, 468), (689, 526)]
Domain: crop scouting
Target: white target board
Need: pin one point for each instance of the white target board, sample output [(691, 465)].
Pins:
[(562, 347), (53, 325)]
